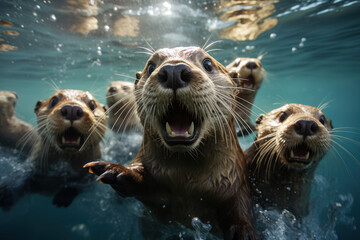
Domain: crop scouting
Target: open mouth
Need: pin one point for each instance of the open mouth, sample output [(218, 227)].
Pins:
[(248, 82), (179, 127), (71, 138), (299, 154)]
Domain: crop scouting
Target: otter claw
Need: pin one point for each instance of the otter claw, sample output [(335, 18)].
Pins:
[(108, 177)]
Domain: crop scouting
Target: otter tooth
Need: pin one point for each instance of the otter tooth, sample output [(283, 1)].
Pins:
[(78, 141), (292, 153), (63, 140), (168, 129), (191, 129), (186, 134), (172, 134), (307, 155)]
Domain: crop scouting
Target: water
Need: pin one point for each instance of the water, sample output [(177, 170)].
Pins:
[(311, 53)]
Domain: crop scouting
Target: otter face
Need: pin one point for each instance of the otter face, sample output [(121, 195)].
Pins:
[(70, 119), (298, 134), (7, 103), (184, 95), (248, 71), (119, 91)]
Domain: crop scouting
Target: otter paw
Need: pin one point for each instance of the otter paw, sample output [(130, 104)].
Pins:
[(106, 171), (65, 197), (6, 197), (241, 233)]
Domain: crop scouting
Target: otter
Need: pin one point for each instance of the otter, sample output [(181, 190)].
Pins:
[(12, 129), (190, 163), (291, 141), (249, 75), (122, 107), (70, 126)]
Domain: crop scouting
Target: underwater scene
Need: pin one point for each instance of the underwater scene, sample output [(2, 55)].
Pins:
[(309, 54)]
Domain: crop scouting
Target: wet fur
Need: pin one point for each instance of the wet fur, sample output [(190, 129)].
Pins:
[(275, 181)]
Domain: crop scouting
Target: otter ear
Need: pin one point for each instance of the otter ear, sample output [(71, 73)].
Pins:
[(331, 124), (259, 119), (37, 106), (138, 76)]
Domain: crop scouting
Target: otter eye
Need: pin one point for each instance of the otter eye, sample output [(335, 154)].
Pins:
[(322, 120), (207, 65), (53, 102), (283, 116), (92, 105), (150, 68)]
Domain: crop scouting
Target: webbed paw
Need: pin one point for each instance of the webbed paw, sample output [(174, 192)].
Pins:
[(125, 180), (65, 196)]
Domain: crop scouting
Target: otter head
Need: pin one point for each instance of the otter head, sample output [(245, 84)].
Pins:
[(248, 72), (183, 96), (119, 92), (297, 135), (71, 120), (7, 104)]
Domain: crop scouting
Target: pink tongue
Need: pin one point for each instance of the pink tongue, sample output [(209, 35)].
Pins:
[(178, 119), (300, 151)]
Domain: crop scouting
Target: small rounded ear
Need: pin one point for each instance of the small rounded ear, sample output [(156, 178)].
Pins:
[(17, 97), (138, 76), (331, 124), (37, 106), (259, 119)]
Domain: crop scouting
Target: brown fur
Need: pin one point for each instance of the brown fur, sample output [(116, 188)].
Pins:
[(205, 179), (122, 107), (276, 181), (12, 129), (249, 80), (55, 167)]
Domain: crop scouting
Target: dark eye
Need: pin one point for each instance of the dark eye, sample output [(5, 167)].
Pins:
[(322, 120), (283, 116), (92, 105), (207, 65), (150, 68), (53, 102)]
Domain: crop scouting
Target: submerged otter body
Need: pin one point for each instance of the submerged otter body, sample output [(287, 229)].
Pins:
[(12, 129), (291, 141), (64, 124), (190, 163), (121, 102), (249, 75)]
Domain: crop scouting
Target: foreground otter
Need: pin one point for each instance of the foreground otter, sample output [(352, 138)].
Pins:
[(121, 102), (290, 143), (12, 129), (190, 163), (64, 124), (249, 74)]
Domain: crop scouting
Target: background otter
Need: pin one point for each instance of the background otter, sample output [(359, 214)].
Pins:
[(190, 163), (249, 74), (291, 141), (64, 123), (12, 129), (122, 107)]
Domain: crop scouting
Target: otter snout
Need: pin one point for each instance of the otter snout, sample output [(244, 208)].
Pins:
[(174, 76), (306, 127), (72, 113), (251, 65)]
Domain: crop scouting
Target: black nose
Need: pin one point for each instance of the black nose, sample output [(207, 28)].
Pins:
[(251, 65), (72, 113), (174, 76), (112, 90), (306, 128)]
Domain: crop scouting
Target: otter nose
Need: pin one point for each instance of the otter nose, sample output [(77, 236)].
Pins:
[(251, 65), (174, 76), (71, 113), (306, 128), (112, 90)]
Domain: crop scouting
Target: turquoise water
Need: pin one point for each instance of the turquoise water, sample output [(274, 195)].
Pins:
[(314, 58)]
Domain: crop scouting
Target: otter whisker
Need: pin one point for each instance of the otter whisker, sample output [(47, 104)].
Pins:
[(211, 44), (123, 75)]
